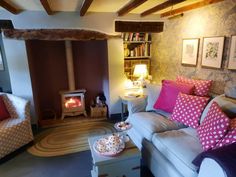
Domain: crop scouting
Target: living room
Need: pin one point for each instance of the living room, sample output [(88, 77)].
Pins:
[(51, 48)]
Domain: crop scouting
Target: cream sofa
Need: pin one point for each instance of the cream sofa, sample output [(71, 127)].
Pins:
[(15, 131), (168, 148)]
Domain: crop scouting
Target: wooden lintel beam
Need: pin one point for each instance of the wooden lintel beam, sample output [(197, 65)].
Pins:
[(86, 4), (161, 7), (189, 7), (47, 7), (130, 6), (9, 7), (56, 34)]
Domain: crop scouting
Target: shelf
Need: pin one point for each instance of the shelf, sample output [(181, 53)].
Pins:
[(130, 42), (127, 58)]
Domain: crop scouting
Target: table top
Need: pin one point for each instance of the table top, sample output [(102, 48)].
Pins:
[(130, 151), (125, 98)]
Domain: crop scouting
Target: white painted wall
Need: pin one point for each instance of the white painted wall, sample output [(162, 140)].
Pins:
[(19, 71), (103, 22), (116, 74)]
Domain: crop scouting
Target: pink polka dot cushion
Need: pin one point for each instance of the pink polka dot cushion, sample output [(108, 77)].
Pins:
[(188, 109), (202, 87), (213, 127), (230, 137), (168, 95)]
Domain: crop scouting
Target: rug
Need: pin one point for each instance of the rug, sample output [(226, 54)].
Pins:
[(68, 139)]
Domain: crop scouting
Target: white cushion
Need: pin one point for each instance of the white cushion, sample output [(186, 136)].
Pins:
[(152, 91)]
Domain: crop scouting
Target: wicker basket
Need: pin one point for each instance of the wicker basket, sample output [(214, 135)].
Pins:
[(98, 111)]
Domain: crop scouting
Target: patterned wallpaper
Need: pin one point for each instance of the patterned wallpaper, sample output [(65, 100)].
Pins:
[(213, 20)]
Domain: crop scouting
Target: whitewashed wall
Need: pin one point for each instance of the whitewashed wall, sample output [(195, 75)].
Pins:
[(103, 22)]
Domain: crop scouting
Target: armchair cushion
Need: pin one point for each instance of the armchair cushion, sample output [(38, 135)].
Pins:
[(4, 114)]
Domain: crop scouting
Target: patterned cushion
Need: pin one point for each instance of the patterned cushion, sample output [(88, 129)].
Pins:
[(213, 128), (9, 105), (168, 95), (230, 137), (4, 114), (202, 87), (188, 109)]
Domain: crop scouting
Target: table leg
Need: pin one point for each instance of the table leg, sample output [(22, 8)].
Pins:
[(122, 111)]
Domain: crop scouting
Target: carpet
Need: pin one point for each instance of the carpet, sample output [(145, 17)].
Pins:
[(68, 139)]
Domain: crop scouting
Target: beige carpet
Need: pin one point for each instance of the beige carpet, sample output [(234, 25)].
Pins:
[(68, 139)]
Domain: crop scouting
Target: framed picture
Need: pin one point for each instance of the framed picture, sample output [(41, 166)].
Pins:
[(190, 51), (232, 54), (212, 51), (1, 61)]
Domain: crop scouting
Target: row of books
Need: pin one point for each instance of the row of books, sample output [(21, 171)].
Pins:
[(140, 50), (136, 36)]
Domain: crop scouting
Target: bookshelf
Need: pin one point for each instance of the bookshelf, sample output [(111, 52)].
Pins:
[(137, 50)]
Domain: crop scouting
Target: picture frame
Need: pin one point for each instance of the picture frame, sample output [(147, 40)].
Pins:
[(1, 61), (232, 54), (190, 51), (212, 51)]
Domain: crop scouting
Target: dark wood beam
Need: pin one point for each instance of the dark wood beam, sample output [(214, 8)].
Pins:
[(47, 7), (86, 4), (9, 7), (56, 34), (189, 7), (130, 6), (131, 26), (161, 7)]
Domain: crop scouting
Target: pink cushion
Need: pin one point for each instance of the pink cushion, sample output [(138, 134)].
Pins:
[(4, 114), (230, 137), (202, 87), (168, 95), (213, 127), (188, 109)]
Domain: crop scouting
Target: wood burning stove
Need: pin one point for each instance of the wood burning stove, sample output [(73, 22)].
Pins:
[(73, 103)]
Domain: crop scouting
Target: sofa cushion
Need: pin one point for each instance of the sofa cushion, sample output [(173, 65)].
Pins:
[(213, 128), (168, 95), (180, 147), (152, 91), (148, 123), (202, 87), (188, 109), (228, 106)]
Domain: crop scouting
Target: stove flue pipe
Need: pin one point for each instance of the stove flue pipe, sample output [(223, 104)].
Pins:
[(70, 65)]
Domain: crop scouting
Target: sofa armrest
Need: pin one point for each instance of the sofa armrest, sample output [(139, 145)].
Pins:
[(210, 168), (137, 105)]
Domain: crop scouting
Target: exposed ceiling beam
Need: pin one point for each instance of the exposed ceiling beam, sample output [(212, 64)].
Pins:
[(130, 6), (9, 7), (86, 4), (161, 7), (189, 7), (47, 7)]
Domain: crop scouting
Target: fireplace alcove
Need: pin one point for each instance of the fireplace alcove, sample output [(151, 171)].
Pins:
[(48, 71)]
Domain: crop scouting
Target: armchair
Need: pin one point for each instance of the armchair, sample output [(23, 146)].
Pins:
[(16, 131)]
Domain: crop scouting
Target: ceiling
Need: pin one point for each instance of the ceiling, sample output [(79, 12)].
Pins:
[(96, 5)]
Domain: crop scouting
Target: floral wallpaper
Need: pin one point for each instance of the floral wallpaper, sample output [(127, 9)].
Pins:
[(214, 20)]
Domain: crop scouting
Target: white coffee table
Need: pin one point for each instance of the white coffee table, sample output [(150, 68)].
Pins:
[(127, 163)]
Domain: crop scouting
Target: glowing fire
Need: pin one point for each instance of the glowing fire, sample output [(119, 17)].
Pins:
[(73, 103)]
